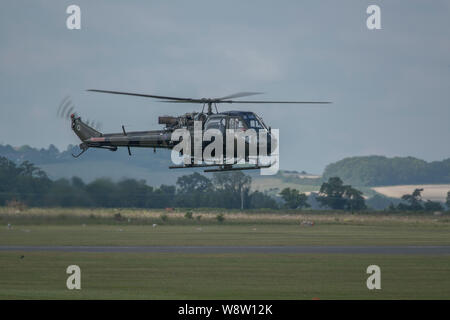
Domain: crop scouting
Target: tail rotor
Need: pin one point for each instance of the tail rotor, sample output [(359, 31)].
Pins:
[(66, 108)]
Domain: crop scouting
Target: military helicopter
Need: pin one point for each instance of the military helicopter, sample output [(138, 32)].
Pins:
[(236, 120)]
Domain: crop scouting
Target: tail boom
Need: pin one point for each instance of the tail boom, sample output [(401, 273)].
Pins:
[(92, 138)]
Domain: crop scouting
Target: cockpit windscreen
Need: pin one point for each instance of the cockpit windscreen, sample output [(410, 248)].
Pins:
[(253, 121)]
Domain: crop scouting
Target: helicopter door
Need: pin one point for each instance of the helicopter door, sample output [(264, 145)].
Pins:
[(216, 123), (236, 124)]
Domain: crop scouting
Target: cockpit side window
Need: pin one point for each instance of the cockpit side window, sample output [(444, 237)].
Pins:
[(216, 123), (235, 123)]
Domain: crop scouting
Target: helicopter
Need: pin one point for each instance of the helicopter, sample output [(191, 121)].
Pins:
[(237, 121)]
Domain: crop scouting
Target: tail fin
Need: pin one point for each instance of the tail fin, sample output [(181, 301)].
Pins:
[(82, 130)]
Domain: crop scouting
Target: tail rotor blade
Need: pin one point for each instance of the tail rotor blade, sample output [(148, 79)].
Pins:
[(69, 112), (64, 108), (62, 103)]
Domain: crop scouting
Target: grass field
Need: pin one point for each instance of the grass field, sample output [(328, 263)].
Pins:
[(226, 276), (41, 275), (226, 235), (116, 216)]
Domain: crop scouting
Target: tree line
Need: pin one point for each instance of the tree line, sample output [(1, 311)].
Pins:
[(29, 185), (414, 202)]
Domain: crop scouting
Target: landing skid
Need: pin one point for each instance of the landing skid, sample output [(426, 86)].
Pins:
[(231, 168), (79, 154), (221, 167), (195, 166), (85, 148)]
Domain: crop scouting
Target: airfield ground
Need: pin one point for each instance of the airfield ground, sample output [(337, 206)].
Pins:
[(118, 275)]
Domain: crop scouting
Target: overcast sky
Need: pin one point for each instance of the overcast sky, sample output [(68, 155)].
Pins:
[(390, 88)]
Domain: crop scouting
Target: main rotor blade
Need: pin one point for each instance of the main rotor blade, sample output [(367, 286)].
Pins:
[(247, 101), (205, 100), (239, 95), (148, 96), (291, 102), (188, 101)]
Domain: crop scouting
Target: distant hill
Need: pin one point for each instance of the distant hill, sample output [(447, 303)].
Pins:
[(142, 157), (383, 171), (143, 164)]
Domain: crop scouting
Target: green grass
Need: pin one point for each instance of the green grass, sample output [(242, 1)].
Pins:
[(257, 235), (41, 275), (222, 276), (134, 216)]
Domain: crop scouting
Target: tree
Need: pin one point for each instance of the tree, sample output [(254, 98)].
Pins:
[(194, 183), (433, 206), (381, 202), (448, 200), (194, 190), (28, 169), (331, 194), (414, 199), (133, 193), (78, 183), (103, 193), (233, 181), (25, 183), (336, 195), (355, 199), (259, 200), (294, 199), (232, 189), (164, 196), (62, 193)]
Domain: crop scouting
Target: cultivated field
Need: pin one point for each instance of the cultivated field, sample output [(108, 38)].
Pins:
[(273, 183), (434, 192)]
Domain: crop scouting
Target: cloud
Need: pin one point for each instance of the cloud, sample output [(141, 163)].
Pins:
[(389, 88)]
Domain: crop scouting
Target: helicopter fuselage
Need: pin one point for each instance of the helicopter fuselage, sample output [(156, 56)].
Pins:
[(237, 121)]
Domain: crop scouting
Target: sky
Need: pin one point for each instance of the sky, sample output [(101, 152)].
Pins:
[(390, 88)]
